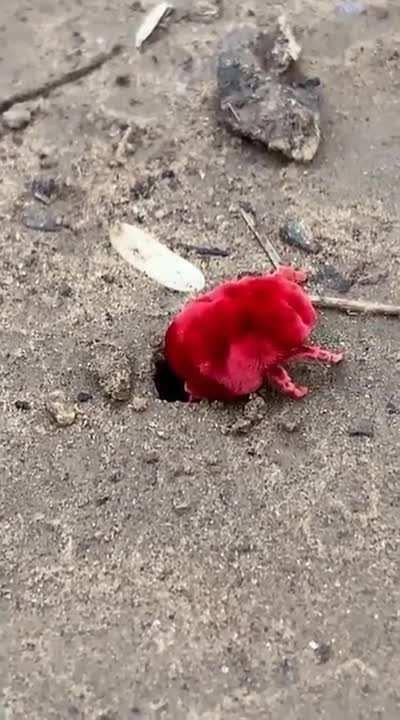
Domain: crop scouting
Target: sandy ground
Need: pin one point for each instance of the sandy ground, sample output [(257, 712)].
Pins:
[(164, 561)]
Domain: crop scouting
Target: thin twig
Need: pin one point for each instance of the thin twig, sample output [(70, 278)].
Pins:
[(355, 306), (121, 147), (233, 111), (206, 251), (265, 244), (45, 88), (322, 301)]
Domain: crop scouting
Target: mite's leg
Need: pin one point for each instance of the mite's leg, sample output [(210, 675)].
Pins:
[(319, 354), (281, 379)]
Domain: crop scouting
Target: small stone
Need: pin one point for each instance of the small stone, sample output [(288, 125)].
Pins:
[(142, 187), (17, 117), (113, 371), (62, 412), (84, 397), (43, 189), (48, 162), (66, 290), (40, 218), (288, 426), (139, 404), (181, 508), (363, 428), (253, 413), (248, 208), (102, 500), (332, 279), (48, 157), (287, 670), (123, 80), (22, 405), (116, 477), (205, 11), (168, 174), (296, 234), (108, 278), (151, 457), (373, 278), (393, 406), (242, 426), (323, 652)]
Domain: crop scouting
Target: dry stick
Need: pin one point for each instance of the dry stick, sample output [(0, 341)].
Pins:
[(334, 303), (121, 147), (355, 306), (64, 79), (233, 111), (265, 245)]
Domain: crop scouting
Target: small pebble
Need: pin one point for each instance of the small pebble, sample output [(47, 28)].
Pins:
[(168, 174), (323, 652), (17, 117), (242, 426), (151, 457), (22, 405), (39, 218), (142, 187), (116, 477), (288, 426), (61, 411), (84, 397), (66, 290), (248, 208), (113, 371), (181, 508), (288, 671), (393, 406), (139, 404), (296, 234), (48, 162), (364, 428), (330, 278), (43, 189), (123, 80), (48, 157)]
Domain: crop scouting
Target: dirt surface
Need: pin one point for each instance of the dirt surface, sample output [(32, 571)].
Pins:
[(166, 561)]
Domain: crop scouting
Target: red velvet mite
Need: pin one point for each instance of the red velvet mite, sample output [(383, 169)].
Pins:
[(232, 340)]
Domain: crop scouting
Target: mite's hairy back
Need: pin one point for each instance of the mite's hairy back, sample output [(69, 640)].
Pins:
[(271, 312)]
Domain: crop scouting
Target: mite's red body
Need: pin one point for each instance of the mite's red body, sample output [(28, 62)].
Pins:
[(231, 341)]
